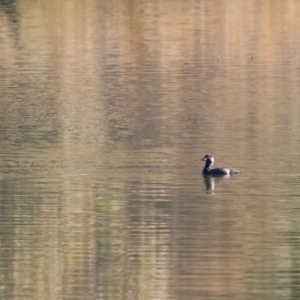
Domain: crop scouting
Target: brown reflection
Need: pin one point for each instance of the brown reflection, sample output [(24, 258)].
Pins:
[(105, 107)]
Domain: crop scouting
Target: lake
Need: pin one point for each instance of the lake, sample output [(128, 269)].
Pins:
[(107, 108)]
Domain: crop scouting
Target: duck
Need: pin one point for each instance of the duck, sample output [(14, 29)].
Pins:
[(208, 170)]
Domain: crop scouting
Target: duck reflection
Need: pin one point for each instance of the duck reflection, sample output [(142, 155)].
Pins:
[(210, 181)]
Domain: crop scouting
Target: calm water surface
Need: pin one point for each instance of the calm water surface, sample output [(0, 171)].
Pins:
[(107, 108)]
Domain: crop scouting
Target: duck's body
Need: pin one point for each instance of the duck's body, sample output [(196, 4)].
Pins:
[(208, 170)]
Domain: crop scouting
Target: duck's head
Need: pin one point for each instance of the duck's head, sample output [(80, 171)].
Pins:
[(209, 159)]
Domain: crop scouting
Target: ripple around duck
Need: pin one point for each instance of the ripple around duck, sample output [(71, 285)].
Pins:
[(73, 175), (289, 175)]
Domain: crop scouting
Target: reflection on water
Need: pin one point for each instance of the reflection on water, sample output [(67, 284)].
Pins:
[(106, 110), (209, 182)]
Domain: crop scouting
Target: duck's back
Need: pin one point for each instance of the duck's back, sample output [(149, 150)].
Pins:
[(221, 171)]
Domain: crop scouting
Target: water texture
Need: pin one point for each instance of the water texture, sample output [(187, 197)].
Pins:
[(107, 108)]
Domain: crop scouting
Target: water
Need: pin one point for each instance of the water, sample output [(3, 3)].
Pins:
[(106, 111)]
